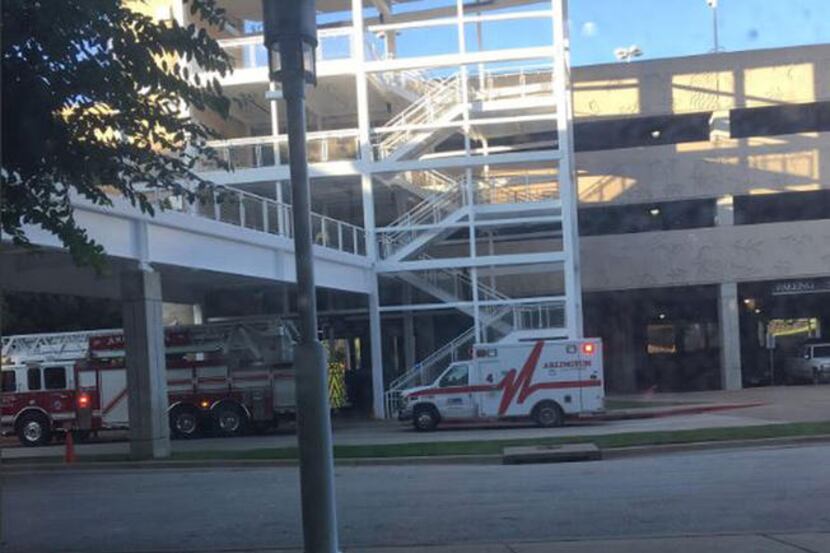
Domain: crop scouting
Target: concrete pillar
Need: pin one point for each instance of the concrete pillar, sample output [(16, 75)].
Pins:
[(624, 347), (630, 358), (730, 336), (408, 330), (146, 367), (426, 335), (725, 211)]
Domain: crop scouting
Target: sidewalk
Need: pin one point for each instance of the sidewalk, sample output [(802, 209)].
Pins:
[(750, 543)]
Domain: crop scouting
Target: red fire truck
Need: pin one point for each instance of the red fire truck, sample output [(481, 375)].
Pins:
[(221, 377)]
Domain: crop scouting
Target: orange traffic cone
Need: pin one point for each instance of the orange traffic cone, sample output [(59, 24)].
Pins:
[(69, 457)]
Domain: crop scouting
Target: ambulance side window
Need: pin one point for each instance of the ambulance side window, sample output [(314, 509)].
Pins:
[(9, 381), (54, 378), (33, 379), (457, 376)]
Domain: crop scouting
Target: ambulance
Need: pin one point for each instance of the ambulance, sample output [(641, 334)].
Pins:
[(544, 381)]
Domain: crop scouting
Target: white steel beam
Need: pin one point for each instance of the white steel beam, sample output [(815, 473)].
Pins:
[(454, 60), (567, 176), (463, 162), (463, 305), (466, 262), (367, 194)]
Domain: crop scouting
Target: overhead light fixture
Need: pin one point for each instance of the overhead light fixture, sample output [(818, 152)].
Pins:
[(661, 316), (654, 211), (627, 53)]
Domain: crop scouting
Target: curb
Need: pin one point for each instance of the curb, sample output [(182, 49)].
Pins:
[(692, 410), (639, 451), (496, 459)]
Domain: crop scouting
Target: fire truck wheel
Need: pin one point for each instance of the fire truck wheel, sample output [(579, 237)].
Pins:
[(33, 430), (229, 419), (425, 418), (548, 414), (184, 423)]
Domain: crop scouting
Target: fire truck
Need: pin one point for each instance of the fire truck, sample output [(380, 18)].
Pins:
[(545, 381), (221, 377)]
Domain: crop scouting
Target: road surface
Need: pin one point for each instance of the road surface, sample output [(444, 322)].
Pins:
[(767, 490)]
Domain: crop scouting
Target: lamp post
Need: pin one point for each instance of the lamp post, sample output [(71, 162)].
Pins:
[(291, 40), (713, 4)]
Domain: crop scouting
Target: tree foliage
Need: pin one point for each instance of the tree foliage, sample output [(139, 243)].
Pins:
[(96, 99)]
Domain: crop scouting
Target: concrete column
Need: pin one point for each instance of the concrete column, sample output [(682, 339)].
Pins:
[(624, 347), (630, 358), (146, 367), (426, 335), (730, 336), (408, 330), (725, 211)]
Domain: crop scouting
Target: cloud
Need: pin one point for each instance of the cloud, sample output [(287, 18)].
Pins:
[(589, 29)]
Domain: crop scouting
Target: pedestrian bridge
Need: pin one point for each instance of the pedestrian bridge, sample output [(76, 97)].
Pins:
[(226, 233)]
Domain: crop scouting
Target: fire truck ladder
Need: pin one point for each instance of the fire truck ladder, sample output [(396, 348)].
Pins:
[(63, 345)]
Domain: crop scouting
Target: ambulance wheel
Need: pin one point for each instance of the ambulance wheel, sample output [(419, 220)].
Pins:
[(184, 422), (425, 418), (33, 430), (229, 419), (548, 414)]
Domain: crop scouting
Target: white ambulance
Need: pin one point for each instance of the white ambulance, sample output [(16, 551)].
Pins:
[(545, 381)]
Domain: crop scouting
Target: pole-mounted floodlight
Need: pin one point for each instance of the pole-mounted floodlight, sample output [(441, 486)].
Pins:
[(713, 4), (628, 53), (291, 40)]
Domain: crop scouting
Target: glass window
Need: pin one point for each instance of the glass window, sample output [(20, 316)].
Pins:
[(54, 378), (694, 337), (661, 339), (821, 351), (9, 381), (456, 376), (33, 379)]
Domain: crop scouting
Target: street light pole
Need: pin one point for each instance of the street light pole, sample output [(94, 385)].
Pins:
[(291, 37)]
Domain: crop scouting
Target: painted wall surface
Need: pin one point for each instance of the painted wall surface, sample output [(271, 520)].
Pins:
[(799, 249), (758, 165), (703, 83)]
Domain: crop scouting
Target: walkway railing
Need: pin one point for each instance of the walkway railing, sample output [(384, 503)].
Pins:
[(243, 209), (248, 52), (264, 151)]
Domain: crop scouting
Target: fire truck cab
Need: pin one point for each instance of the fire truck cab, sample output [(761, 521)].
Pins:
[(543, 380), (38, 398)]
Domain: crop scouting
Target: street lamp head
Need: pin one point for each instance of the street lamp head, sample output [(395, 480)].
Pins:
[(627, 53), (291, 41)]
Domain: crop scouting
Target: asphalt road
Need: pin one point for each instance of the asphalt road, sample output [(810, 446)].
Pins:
[(763, 490)]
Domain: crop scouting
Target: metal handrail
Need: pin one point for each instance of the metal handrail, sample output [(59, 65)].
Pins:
[(432, 208), (263, 214), (428, 108)]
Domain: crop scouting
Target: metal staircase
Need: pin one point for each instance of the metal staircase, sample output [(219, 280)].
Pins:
[(420, 122), (427, 221)]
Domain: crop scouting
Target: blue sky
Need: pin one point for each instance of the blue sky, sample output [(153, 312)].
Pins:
[(662, 28), (667, 28)]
